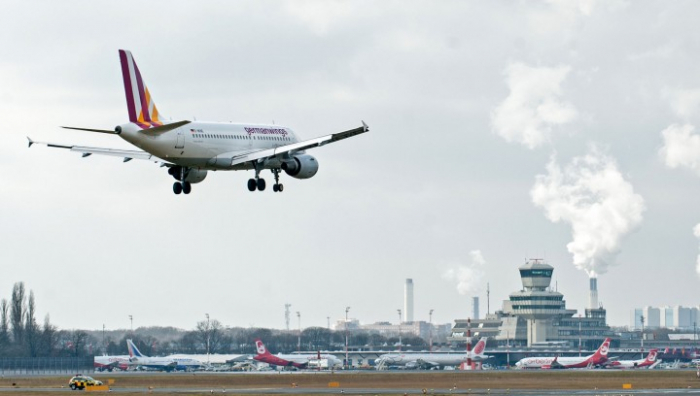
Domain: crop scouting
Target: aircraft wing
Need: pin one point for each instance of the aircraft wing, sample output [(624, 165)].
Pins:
[(86, 151), (427, 363), (286, 150)]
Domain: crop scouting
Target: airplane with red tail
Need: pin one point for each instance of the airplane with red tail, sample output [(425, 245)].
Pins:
[(650, 361), (596, 359), (291, 360)]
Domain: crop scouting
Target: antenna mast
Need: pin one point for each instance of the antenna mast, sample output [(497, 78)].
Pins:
[(286, 314)]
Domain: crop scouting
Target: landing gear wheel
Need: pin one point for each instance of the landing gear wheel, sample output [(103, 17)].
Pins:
[(261, 184), (280, 187), (275, 187), (252, 185), (177, 188), (186, 187)]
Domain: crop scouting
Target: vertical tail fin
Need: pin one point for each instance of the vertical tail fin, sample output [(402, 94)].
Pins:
[(133, 351), (651, 357), (142, 109), (602, 353), (480, 346), (260, 347)]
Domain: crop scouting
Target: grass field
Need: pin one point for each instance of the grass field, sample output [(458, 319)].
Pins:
[(563, 380)]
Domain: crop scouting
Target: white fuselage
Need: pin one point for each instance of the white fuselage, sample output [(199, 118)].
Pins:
[(429, 359), (209, 145), (298, 358), (539, 362), (165, 362)]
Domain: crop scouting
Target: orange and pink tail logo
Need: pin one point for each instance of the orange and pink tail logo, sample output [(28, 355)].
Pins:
[(142, 109)]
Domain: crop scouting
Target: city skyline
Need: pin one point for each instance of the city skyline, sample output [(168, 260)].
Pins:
[(500, 132)]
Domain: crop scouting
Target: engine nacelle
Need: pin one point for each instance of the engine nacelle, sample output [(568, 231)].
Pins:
[(193, 175), (301, 166)]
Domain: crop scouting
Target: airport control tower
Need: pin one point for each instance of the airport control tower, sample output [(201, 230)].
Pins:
[(536, 303)]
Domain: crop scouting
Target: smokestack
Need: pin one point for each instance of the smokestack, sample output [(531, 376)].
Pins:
[(475, 308), (408, 300), (593, 296)]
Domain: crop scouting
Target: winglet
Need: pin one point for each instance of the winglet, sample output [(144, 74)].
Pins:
[(365, 127), (30, 141)]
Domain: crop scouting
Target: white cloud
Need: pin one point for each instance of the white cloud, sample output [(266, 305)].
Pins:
[(681, 147), (684, 102), (592, 196), (469, 276), (533, 107)]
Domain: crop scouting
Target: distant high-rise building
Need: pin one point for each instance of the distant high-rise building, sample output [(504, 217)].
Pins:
[(408, 301), (637, 320), (652, 318), (475, 308)]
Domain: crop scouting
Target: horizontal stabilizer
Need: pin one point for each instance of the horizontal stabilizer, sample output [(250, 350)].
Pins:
[(164, 128), (92, 130)]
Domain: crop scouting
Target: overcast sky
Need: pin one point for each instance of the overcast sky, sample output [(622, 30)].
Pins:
[(500, 131)]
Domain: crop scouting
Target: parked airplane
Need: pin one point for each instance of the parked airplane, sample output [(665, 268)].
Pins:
[(650, 361), (599, 357), (291, 360), (189, 149), (430, 360), (109, 363), (166, 363)]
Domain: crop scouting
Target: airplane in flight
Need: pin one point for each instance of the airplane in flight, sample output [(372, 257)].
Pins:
[(650, 362), (431, 360), (190, 149), (291, 360), (598, 358), (167, 363)]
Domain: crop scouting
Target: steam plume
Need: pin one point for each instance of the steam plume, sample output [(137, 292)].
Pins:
[(533, 106), (592, 196), (469, 277)]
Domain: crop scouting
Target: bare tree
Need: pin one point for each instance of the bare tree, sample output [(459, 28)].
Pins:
[(31, 328), (49, 338), (211, 334), (18, 309), (4, 325)]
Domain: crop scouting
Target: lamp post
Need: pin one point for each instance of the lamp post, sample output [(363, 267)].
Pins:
[(131, 319), (208, 337), (430, 328), (399, 311), (508, 348), (579, 335), (641, 319), (299, 339), (347, 309), (104, 344)]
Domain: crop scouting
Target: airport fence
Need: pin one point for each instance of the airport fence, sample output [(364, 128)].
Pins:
[(47, 365)]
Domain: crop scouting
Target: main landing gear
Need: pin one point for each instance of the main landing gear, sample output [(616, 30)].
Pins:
[(180, 186), (259, 184)]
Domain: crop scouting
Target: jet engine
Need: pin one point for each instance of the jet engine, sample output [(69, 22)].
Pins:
[(301, 166), (192, 175)]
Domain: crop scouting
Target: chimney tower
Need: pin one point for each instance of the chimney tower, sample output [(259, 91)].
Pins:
[(408, 301), (593, 293)]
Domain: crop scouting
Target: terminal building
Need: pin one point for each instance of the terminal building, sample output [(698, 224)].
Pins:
[(536, 316)]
